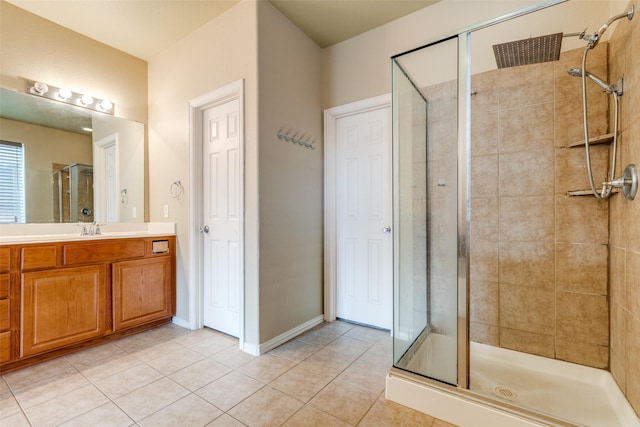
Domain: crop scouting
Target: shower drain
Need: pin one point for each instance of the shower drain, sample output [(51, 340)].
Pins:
[(505, 392)]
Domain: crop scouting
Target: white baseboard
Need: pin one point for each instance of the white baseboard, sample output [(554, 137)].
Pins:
[(257, 350), (181, 322), (283, 338), (252, 349)]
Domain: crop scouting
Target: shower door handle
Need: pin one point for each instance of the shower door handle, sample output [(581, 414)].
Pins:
[(386, 230)]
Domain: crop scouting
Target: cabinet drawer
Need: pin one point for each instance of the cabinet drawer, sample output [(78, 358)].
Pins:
[(4, 315), (38, 257), (82, 253), (5, 260), (5, 347), (4, 286)]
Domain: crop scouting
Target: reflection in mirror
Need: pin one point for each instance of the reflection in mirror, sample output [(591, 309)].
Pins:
[(77, 163)]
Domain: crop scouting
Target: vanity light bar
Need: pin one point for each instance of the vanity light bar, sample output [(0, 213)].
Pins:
[(67, 96)]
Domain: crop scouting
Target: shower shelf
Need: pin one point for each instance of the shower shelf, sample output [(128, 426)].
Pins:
[(585, 192), (602, 139), (580, 193)]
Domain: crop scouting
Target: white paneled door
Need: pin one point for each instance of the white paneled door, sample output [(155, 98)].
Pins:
[(105, 179), (221, 217), (363, 215)]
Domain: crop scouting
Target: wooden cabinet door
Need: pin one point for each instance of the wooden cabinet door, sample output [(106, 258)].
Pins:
[(142, 291), (61, 307), (5, 347)]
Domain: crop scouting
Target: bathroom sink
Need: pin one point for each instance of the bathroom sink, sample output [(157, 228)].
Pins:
[(37, 233)]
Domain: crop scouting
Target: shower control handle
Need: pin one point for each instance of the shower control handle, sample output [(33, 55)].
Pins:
[(628, 182), (618, 183)]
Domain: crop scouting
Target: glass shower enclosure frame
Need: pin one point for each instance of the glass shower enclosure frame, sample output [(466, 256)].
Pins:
[(431, 184), (429, 329)]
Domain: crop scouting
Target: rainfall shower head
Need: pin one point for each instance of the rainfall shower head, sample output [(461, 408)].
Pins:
[(577, 72), (533, 50)]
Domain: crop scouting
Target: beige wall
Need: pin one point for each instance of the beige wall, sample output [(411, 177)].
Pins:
[(218, 53), (34, 48), (624, 220), (42, 148), (283, 214), (290, 176)]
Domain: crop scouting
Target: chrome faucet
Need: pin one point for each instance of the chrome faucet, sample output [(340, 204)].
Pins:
[(93, 230), (83, 230)]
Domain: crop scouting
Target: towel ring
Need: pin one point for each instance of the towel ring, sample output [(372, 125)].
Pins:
[(176, 190)]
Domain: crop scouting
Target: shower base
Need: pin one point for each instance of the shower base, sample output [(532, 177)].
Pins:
[(572, 394), (576, 393)]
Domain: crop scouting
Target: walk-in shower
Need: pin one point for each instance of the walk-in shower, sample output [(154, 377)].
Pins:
[(511, 281)]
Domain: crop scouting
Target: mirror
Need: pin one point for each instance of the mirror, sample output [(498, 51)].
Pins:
[(79, 165)]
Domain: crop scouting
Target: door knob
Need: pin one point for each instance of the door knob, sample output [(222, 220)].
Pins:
[(386, 230), (204, 229)]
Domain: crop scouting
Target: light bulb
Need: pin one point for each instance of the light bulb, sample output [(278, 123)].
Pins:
[(64, 93), (39, 88), (106, 105), (86, 100)]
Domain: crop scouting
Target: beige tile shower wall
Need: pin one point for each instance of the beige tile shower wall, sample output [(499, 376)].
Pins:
[(538, 256), (624, 223)]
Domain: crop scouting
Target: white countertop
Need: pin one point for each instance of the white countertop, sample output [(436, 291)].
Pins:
[(40, 233)]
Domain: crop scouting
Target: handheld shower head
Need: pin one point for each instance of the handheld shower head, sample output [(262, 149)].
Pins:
[(577, 72)]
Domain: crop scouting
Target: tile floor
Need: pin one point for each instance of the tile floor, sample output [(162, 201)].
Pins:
[(333, 375)]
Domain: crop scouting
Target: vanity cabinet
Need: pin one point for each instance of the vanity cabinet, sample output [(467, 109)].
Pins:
[(58, 297)]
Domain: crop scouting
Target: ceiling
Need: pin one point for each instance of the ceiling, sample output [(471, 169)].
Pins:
[(145, 27), (328, 22)]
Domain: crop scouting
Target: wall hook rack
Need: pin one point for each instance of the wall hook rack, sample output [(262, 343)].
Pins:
[(297, 138)]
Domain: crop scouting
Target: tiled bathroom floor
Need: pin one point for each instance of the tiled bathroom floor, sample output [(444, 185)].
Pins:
[(333, 375)]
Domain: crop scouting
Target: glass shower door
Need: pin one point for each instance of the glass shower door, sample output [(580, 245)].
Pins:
[(80, 192), (425, 212)]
